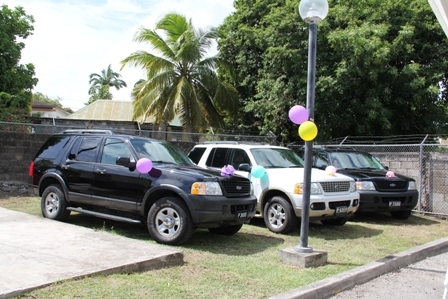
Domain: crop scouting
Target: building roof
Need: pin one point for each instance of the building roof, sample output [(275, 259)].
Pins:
[(113, 110), (440, 8)]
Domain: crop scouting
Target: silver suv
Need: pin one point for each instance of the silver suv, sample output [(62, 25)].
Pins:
[(279, 190)]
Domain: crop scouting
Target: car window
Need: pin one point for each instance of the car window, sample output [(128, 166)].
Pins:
[(276, 157), (114, 148), (239, 156), (355, 160), (87, 151), (217, 157), (196, 153), (162, 152), (52, 147)]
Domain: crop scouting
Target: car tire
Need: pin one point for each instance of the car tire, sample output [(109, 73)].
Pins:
[(226, 230), (53, 204), (279, 216), (335, 222), (403, 215), (169, 221)]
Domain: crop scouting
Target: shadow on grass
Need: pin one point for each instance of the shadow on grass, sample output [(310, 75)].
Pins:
[(242, 243), (329, 232), (384, 218)]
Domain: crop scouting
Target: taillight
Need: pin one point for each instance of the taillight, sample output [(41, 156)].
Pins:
[(31, 169)]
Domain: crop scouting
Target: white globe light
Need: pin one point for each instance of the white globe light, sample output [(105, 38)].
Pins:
[(313, 11)]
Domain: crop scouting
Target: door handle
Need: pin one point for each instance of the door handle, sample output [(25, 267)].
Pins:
[(100, 171), (65, 166)]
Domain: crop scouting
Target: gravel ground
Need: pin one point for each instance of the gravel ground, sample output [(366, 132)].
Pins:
[(422, 280)]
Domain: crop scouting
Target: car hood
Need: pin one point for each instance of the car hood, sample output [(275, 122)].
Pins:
[(361, 174), (317, 175)]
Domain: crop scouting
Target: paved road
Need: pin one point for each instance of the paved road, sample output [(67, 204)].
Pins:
[(422, 280), (417, 273)]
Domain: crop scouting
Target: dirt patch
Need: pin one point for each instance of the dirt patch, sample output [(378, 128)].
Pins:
[(13, 189)]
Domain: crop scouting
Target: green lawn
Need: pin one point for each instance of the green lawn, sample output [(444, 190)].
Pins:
[(246, 265)]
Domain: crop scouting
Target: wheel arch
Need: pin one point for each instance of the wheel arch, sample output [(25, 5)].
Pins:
[(51, 179), (271, 193), (159, 192)]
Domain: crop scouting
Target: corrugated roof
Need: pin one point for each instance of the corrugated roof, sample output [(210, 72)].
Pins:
[(112, 110)]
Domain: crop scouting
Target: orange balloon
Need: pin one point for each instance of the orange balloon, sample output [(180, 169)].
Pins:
[(308, 130)]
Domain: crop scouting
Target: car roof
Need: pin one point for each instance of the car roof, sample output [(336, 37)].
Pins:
[(237, 144), (90, 132)]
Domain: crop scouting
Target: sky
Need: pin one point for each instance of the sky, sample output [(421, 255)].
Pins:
[(75, 38)]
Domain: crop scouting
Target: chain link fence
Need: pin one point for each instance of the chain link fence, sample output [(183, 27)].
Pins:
[(172, 134), (425, 161)]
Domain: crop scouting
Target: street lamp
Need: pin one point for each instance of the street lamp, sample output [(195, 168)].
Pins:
[(312, 12)]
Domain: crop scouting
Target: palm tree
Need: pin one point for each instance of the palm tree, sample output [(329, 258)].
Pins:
[(100, 84), (181, 80)]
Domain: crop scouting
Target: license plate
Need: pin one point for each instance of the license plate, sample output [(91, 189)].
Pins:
[(341, 210), (394, 203), (242, 214)]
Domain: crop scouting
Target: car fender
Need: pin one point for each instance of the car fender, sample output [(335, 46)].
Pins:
[(56, 176), (156, 192)]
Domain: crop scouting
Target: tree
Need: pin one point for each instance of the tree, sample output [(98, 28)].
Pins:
[(16, 80), (181, 80), (101, 83), (378, 71)]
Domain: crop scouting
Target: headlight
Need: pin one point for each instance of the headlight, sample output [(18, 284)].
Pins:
[(206, 188), (251, 188), (315, 188), (365, 186), (352, 187), (412, 185)]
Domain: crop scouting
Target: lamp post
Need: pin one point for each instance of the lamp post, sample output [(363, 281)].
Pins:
[(312, 12)]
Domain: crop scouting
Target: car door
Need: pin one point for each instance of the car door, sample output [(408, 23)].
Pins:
[(115, 186), (78, 167)]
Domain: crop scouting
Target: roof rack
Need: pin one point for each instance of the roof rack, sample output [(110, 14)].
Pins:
[(234, 142), (88, 131)]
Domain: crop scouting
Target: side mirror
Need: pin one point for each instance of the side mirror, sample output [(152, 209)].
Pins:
[(322, 166), (126, 162), (386, 167), (245, 167)]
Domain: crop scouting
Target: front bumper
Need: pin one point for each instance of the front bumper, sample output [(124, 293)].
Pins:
[(217, 211), (326, 207), (373, 201)]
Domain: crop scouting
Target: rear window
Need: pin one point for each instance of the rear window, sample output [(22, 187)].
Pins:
[(52, 147)]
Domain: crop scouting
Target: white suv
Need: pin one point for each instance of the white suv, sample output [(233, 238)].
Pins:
[(333, 198)]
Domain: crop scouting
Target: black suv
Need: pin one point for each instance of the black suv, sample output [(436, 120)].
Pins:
[(97, 173), (379, 188)]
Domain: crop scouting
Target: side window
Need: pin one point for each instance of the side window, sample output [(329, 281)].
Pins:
[(196, 153), (88, 149), (239, 157), (217, 157), (114, 148), (53, 147)]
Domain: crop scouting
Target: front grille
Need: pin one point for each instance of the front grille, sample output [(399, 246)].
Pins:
[(330, 187), (233, 187), (391, 185), (333, 205)]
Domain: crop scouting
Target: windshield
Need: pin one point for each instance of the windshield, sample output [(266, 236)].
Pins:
[(276, 158), (355, 160), (162, 152)]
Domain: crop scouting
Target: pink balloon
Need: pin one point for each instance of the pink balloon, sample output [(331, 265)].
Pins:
[(144, 165), (298, 114)]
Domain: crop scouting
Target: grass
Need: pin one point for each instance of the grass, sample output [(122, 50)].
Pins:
[(246, 265)]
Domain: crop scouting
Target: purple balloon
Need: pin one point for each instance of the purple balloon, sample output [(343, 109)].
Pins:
[(298, 114), (144, 165)]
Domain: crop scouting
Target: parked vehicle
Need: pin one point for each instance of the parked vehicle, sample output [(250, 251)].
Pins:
[(279, 190), (102, 174), (380, 189)]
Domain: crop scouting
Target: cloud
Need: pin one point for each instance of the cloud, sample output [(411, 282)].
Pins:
[(73, 39)]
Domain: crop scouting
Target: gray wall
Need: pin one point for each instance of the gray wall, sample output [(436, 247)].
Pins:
[(17, 150)]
